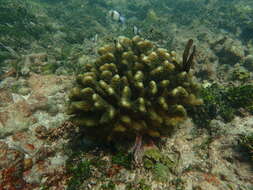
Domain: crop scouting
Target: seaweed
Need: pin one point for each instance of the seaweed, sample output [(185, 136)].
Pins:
[(79, 172), (246, 144), (240, 97), (224, 102), (122, 159)]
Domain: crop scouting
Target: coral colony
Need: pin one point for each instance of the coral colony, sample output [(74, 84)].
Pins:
[(133, 90)]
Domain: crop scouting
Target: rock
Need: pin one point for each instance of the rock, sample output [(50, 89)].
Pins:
[(11, 167), (229, 51), (41, 132), (6, 97), (217, 127), (24, 91), (13, 122)]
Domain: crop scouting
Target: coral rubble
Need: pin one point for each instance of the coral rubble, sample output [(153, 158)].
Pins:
[(132, 89)]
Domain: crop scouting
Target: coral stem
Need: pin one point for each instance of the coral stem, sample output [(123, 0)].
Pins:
[(137, 150)]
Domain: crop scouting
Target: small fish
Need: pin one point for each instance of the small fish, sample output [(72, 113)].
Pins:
[(116, 16), (136, 30)]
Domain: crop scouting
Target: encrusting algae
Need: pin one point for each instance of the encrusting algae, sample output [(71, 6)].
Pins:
[(133, 90)]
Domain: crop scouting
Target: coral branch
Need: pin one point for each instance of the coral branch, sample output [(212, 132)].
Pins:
[(137, 150)]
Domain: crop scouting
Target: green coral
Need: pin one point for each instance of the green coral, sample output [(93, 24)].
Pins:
[(132, 88)]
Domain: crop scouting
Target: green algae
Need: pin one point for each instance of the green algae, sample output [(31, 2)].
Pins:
[(240, 97), (241, 74), (141, 185), (160, 172), (108, 186), (49, 68), (122, 159), (22, 25), (80, 172), (151, 157), (159, 164), (223, 101), (178, 183), (246, 144), (213, 106)]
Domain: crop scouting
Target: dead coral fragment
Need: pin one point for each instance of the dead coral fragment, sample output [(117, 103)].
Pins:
[(133, 89)]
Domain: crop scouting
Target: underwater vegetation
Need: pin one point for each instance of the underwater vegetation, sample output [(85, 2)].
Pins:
[(84, 163), (133, 90), (122, 159), (241, 96), (21, 26), (224, 102), (241, 74), (141, 185), (79, 172), (246, 143), (159, 164), (79, 20)]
